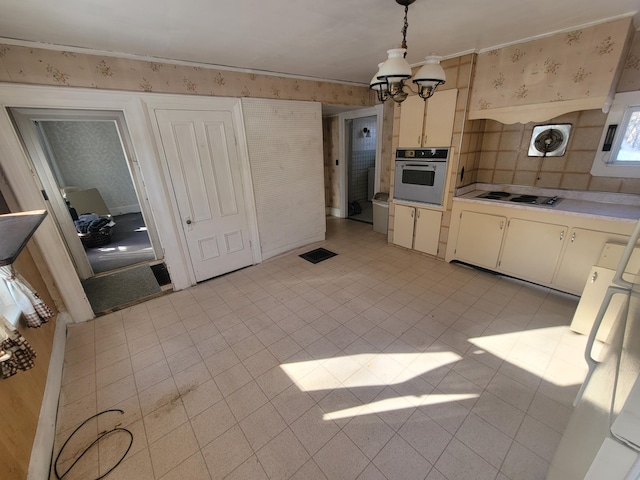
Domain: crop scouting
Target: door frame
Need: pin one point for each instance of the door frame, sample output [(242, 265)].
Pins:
[(232, 105), (343, 146), (20, 177), (38, 156)]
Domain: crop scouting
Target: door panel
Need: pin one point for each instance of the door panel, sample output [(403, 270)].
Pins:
[(427, 230), (480, 238), (532, 249), (403, 226), (205, 175)]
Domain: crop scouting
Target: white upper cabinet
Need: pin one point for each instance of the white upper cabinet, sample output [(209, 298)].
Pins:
[(428, 123)]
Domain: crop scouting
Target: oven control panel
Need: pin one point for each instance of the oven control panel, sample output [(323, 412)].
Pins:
[(422, 153)]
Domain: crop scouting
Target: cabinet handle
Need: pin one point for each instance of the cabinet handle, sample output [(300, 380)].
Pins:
[(418, 213), (501, 224), (573, 237), (420, 140), (594, 277), (412, 213), (561, 234)]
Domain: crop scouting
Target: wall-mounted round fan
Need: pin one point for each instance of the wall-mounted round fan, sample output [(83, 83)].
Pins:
[(549, 140)]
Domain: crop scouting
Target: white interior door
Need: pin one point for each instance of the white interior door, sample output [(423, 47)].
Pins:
[(204, 166)]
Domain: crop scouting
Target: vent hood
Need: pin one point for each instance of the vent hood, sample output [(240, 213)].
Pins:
[(542, 79)]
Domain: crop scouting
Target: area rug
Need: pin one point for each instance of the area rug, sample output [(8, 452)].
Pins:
[(118, 289), (318, 255)]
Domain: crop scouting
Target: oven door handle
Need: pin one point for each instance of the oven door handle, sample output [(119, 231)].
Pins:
[(419, 167)]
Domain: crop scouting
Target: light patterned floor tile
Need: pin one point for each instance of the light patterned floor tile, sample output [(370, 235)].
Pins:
[(398, 459), (409, 362)]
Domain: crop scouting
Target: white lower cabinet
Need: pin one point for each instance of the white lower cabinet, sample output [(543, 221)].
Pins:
[(480, 238), (583, 250), (403, 226), (417, 228), (553, 249), (427, 230), (532, 249)]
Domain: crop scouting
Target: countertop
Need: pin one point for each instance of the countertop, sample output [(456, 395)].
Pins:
[(607, 206)]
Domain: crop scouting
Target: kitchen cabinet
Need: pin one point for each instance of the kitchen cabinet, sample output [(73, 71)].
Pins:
[(582, 252), (428, 123), (532, 249), (479, 238), (403, 225), (427, 230), (535, 244), (417, 228)]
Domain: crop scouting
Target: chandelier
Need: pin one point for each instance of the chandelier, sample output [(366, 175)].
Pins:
[(389, 80)]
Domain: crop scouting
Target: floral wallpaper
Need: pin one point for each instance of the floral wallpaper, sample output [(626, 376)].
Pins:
[(88, 154), (567, 66), (630, 77), (51, 67)]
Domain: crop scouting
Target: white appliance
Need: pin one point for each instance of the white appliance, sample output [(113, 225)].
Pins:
[(602, 439), (421, 175)]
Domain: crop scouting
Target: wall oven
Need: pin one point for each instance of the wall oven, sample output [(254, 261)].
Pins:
[(421, 175)]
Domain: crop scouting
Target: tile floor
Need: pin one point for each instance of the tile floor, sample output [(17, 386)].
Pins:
[(378, 363)]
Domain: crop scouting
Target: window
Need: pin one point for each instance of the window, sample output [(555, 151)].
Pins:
[(618, 153), (627, 148)]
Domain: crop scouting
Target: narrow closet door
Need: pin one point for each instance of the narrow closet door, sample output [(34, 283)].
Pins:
[(204, 166)]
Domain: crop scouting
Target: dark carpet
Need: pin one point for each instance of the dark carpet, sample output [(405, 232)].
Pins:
[(129, 245), (115, 290), (318, 255)]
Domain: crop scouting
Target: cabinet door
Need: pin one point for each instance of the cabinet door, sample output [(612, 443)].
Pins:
[(427, 230), (438, 124), (411, 122), (582, 253), (480, 238), (403, 226), (532, 249), (595, 288)]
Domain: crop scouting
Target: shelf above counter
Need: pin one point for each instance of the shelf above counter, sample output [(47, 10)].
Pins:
[(16, 229)]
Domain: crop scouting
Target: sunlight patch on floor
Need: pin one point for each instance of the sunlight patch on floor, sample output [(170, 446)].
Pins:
[(533, 351), (365, 370), (397, 403)]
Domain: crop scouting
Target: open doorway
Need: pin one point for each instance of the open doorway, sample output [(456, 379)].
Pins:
[(360, 148), (95, 194), (361, 167)]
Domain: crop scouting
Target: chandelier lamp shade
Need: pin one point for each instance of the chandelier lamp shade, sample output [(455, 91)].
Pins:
[(389, 80)]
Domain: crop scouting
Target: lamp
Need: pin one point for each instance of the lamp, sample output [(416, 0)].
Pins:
[(389, 80)]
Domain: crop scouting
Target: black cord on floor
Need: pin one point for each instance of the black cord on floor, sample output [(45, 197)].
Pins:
[(100, 437)]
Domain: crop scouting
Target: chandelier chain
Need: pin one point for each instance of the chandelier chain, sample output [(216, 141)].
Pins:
[(404, 28)]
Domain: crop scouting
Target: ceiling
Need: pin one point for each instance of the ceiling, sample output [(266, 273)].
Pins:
[(341, 40)]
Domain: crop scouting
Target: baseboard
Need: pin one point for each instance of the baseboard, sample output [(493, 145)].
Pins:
[(334, 212), (40, 462)]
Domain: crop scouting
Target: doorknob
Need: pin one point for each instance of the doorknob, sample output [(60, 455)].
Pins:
[(188, 221)]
